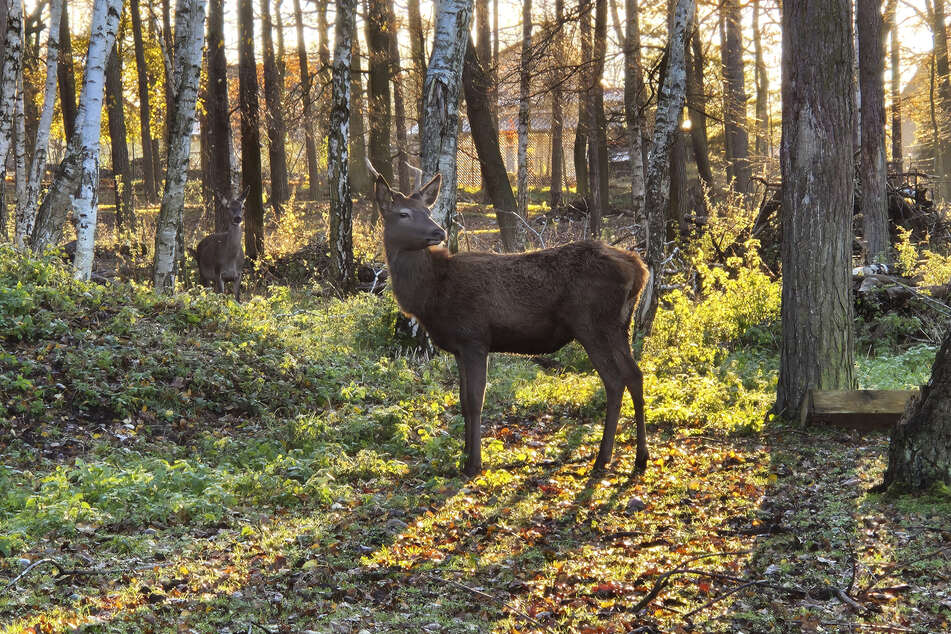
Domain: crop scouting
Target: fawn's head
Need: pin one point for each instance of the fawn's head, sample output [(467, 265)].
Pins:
[(234, 207), (407, 223)]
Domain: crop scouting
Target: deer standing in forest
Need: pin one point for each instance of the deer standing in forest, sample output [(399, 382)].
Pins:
[(530, 303), (221, 255)]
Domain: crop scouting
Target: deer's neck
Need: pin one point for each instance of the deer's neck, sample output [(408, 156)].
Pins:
[(413, 278), (233, 243)]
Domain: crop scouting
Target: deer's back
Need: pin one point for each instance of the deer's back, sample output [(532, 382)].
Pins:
[(538, 301)]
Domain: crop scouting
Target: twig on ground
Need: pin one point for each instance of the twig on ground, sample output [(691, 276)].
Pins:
[(486, 595), (28, 569), (887, 627), (664, 578), (719, 598), (849, 601)]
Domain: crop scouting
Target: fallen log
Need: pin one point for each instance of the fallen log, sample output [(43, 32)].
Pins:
[(865, 410)]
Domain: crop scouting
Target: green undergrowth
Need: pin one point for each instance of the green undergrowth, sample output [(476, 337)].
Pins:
[(216, 466)]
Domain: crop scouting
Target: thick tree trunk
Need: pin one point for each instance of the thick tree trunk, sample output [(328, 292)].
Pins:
[(525, 64), (919, 454), (762, 88), (359, 174), (145, 127), (307, 122), (670, 104), (105, 23), (735, 98), (274, 117), (219, 118), (186, 74), (895, 86), (440, 129), (378, 92), (873, 168), (399, 106), (24, 226), (67, 78), (341, 211), (633, 117), (940, 52), (121, 170), (597, 132), (697, 109), (250, 133), (817, 171), (485, 135)]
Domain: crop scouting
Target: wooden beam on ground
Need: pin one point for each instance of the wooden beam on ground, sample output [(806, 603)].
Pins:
[(865, 410)]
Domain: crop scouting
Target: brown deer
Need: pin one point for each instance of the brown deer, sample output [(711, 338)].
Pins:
[(472, 304), (221, 255)]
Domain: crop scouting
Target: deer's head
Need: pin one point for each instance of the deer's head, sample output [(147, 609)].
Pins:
[(407, 223)]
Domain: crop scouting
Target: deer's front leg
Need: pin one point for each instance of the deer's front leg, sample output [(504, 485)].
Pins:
[(221, 284), (472, 371), (463, 403), (237, 288)]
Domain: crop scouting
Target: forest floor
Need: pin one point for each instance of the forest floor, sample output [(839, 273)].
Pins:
[(282, 465)]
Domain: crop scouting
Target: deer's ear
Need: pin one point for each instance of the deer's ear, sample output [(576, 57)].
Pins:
[(383, 195), (429, 193), (244, 195)]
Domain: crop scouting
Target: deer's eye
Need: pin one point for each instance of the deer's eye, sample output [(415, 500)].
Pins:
[(404, 214)]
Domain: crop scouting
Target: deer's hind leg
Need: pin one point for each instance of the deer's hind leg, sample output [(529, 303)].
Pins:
[(633, 378), (603, 360)]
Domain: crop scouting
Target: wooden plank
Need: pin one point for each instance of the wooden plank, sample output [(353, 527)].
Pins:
[(866, 410)]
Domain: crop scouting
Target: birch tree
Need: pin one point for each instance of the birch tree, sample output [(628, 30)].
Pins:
[(525, 78), (189, 39), (27, 213), (670, 105), (441, 107), (9, 74), (105, 23), (341, 204)]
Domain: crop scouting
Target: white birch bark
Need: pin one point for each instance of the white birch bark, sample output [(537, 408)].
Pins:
[(189, 40), (9, 72), (19, 150), (341, 204), (523, 109), (670, 104), (105, 23), (441, 107), (26, 216)]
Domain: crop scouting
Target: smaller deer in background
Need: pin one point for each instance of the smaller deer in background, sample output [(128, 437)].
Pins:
[(221, 255)]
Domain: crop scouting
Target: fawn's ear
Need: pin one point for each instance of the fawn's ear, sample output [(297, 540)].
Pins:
[(428, 194), (244, 196)]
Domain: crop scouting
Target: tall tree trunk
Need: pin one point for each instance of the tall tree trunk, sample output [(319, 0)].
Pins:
[(378, 44), (121, 170), (485, 135), (581, 131), (359, 174), (281, 51), (697, 109), (250, 133), (19, 155), (10, 67), (441, 107), (399, 108), (219, 118), (525, 63), (274, 117), (67, 78), (484, 52), (670, 103), (817, 171), (919, 455), (895, 86), (25, 223), (633, 117), (597, 135), (145, 126), (307, 121), (417, 43), (186, 74), (873, 168), (341, 212), (762, 88), (735, 97), (940, 35), (105, 23), (557, 114)]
